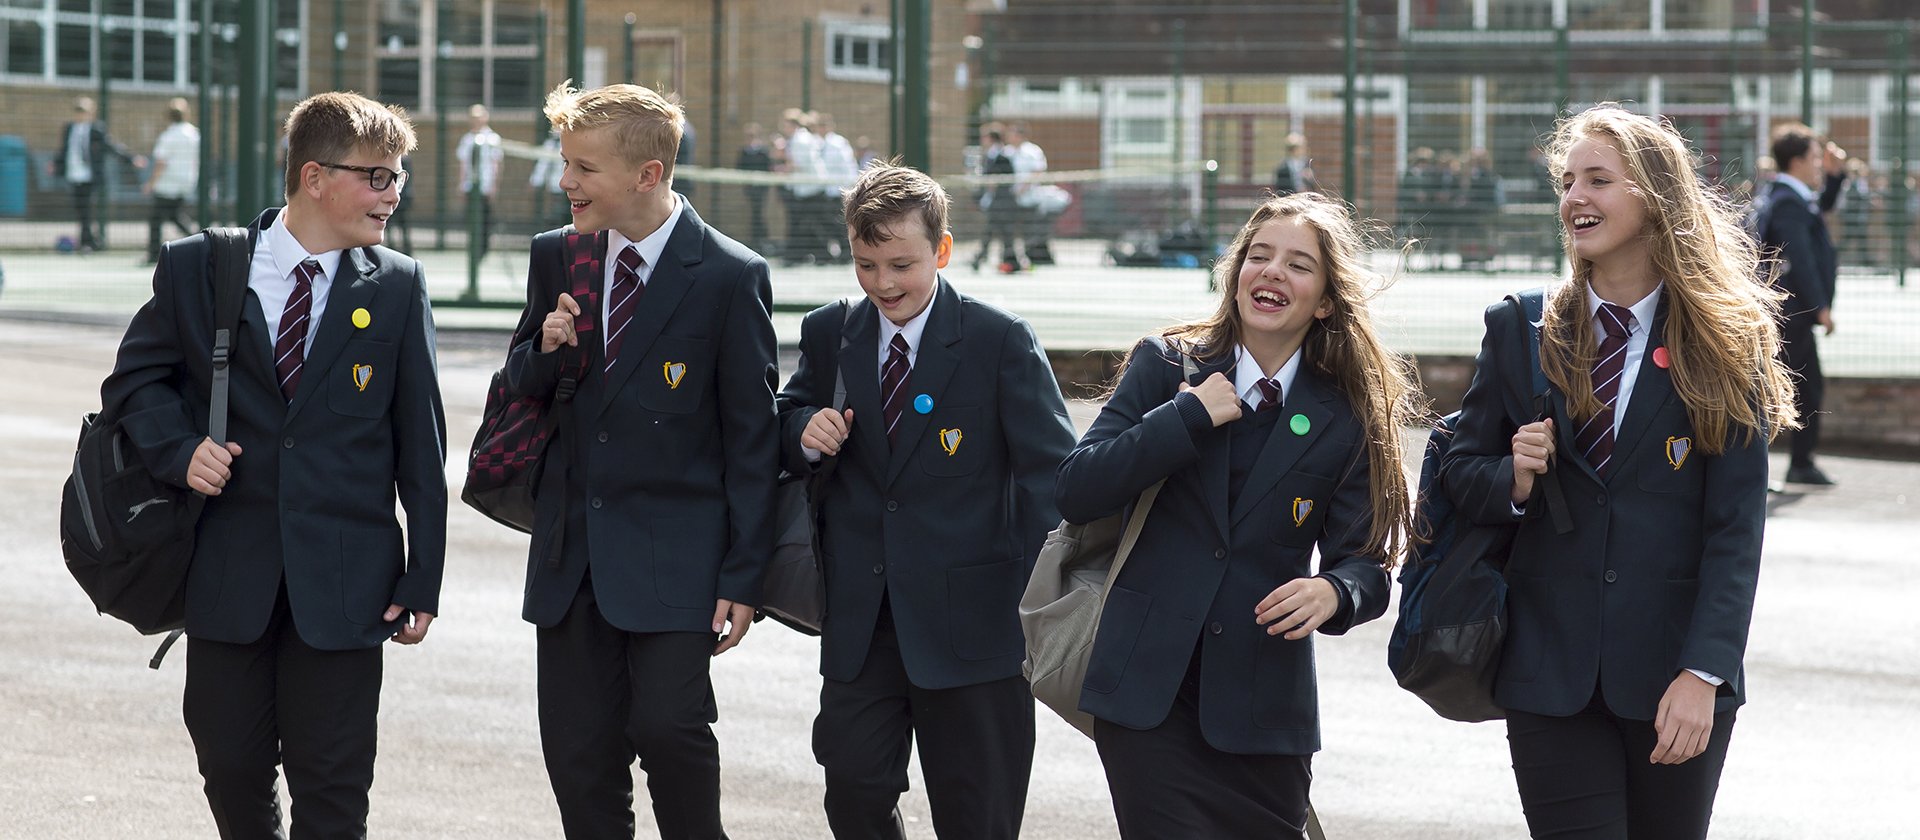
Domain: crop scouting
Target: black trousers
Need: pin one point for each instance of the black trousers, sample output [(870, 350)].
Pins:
[(976, 749), (1802, 356), (278, 701), (608, 696), (1587, 776), (1168, 783), (90, 233), (166, 210)]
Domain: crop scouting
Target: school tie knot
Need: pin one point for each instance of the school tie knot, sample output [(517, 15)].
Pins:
[(1269, 394), (1617, 320)]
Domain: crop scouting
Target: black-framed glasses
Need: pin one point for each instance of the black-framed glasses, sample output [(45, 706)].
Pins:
[(378, 177)]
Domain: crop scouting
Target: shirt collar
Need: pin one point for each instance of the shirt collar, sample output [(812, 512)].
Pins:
[(1805, 191), (1247, 374), (653, 244), (288, 253), (1643, 311), (913, 329)]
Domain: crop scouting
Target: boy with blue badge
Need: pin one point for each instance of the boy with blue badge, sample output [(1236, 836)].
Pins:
[(952, 431)]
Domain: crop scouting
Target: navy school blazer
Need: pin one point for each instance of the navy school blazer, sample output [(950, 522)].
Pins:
[(1658, 573), (312, 494), (666, 463), (946, 523), (1200, 567)]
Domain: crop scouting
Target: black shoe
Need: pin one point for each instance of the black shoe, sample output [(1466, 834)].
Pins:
[(1808, 474)]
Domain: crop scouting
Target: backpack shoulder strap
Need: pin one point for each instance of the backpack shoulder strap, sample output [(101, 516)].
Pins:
[(229, 261), (846, 330), (1532, 303)]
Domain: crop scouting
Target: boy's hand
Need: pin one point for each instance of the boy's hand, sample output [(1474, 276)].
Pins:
[(558, 328), (409, 633), (1532, 451), (827, 430), (1217, 394), (1298, 607), (212, 466), (727, 612)]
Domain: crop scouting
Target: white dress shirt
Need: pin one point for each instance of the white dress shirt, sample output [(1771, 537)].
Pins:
[(275, 256), (650, 247), (1637, 335), (1247, 375), (79, 153)]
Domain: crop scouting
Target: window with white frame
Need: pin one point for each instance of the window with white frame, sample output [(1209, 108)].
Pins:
[(147, 44), (859, 51), (459, 52), (1693, 18)]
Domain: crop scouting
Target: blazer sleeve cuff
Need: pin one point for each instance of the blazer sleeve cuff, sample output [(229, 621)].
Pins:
[(1193, 413)]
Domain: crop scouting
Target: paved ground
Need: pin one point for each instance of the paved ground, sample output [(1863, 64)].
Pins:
[(1078, 304), (94, 747)]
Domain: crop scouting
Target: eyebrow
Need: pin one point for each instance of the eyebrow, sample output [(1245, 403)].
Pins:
[(1295, 252)]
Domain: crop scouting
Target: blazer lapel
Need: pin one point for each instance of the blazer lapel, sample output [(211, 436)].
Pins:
[(665, 288), (860, 368), (352, 289), (253, 327), (1652, 388), (1308, 399), (933, 366), (1214, 453)]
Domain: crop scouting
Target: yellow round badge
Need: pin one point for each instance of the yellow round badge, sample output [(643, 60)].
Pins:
[(361, 318)]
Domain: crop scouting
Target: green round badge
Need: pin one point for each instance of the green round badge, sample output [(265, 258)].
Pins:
[(1299, 424)]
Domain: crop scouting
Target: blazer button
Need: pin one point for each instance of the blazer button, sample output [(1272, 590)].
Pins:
[(1600, 500), (892, 505), (1612, 576), (1215, 628), (1219, 554), (603, 437), (596, 503), (288, 443), (879, 569)]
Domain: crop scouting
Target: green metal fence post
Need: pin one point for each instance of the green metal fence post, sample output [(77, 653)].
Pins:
[(444, 151), (202, 191), (476, 232), (1899, 180), (1209, 214), (1348, 128), (250, 118), (806, 64), (577, 41), (916, 90), (339, 44), (1806, 62), (626, 49), (1175, 211), (97, 198)]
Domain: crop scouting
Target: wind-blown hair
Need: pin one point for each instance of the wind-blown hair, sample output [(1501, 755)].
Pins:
[(1722, 324)]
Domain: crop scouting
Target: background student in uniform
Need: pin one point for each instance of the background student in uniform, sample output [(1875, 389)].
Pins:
[(1622, 664), (947, 448), (1288, 438), (653, 514), (300, 570)]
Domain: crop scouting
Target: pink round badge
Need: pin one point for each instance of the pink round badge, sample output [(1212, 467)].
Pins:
[(1660, 358)]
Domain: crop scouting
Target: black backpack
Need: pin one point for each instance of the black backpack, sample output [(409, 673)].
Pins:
[(128, 536)]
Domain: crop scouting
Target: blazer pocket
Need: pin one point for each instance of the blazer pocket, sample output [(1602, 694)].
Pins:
[(1113, 643), (675, 375), (371, 561), (954, 442), (1283, 683), (1299, 506), (360, 383), (983, 605)]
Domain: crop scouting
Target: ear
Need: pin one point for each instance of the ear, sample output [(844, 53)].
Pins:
[(943, 250), (1324, 310), (311, 174), (649, 176)]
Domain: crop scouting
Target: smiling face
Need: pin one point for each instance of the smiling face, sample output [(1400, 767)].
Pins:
[(900, 273), (1601, 207), (603, 189), (351, 213), (1282, 283)]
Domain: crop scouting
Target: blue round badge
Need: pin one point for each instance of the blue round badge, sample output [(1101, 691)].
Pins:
[(923, 404)]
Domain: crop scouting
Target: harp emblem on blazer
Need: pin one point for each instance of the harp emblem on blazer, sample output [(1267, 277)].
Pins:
[(674, 372), (1302, 508), (950, 440), (1678, 448), (362, 374)]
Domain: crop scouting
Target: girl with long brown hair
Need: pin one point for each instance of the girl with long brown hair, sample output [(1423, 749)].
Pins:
[(1287, 436), (1622, 665)]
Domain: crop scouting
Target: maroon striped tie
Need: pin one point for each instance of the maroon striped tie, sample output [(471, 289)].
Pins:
[(1596, 437), (893, 384), (626, 298), (290, 349), (1269, 395)]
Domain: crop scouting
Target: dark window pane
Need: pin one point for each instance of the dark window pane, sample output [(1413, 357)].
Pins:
[(73, 50), (81, 6), (862, 53), (465, 82), (156, 60), (400, 82), (286, 60), (118, 46), (514, 24), (461, 22), (25, 53), (123, 8), (885, 50), (839, 51), (399, 19), (514, 82)]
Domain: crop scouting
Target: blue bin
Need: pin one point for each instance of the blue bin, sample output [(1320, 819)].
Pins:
[(16, 163)]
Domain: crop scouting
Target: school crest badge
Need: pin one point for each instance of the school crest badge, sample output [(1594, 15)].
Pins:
[(673, 372), (950, 440), (362, 374), (1302, 508), (1678, 448)]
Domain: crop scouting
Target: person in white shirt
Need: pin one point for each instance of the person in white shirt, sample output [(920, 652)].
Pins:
[(173, 176), (1038, 204), (838, 162), (804, 241), (483, 172), (550, 200)]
